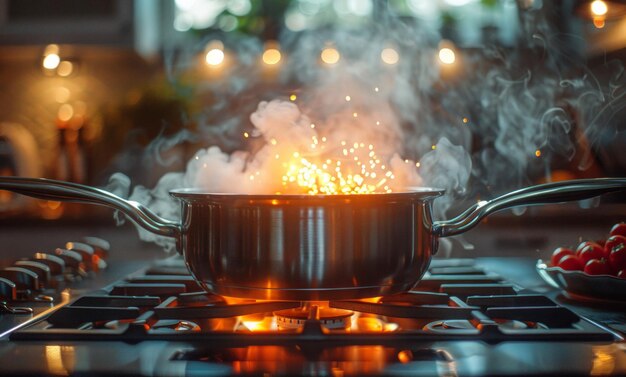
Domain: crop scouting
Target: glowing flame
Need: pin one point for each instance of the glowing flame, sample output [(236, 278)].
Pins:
[(256, 325)]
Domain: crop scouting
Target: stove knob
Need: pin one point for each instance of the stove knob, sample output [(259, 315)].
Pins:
[(55, 263), (73, 261), (24, 280), (8, 291), (92, 261), (101, 246), (41, 269)]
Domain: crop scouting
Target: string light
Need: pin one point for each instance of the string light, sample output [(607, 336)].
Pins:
[(215, 53), (51, 58), (599, 8), (214, 57), (447, 56), (51, 61), (271, 56)]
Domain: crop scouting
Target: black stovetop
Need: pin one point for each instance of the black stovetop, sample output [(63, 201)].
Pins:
[(467, 317)]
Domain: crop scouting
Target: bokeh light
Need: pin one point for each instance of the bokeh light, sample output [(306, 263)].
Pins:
[(599, 8), (51, 61), (65, 68), (271, 56), (447, 55), (389, 56), (51, 49), (214, 57), (215, 53), (62, 94), (330, 55), (66, 112)]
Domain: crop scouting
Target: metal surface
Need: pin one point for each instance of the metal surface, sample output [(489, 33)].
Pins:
[(150, 345), (548, 193), (312, 248), (305, 247)]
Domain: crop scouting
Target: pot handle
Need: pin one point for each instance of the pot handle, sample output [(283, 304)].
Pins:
[(557, 192), (49, 189)]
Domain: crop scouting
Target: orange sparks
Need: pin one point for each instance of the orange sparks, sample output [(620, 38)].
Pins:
[(347, 175)]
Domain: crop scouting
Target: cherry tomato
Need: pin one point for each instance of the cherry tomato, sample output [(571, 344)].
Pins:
[(582, 245), (601, 242), (559, 253), (618, 230), (612, 242), (597, 267), (591, 251), (621, 274), (617, 258), (570, 263)]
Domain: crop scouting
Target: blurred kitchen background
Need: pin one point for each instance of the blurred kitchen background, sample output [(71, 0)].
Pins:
[(93, 87)]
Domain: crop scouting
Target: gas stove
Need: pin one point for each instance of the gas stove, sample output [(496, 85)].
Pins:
[(466, 317)]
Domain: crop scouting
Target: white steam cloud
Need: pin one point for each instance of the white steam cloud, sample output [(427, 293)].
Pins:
[(494, 121)]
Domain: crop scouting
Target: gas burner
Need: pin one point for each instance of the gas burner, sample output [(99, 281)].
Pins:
[(162, 303), (330, 318)]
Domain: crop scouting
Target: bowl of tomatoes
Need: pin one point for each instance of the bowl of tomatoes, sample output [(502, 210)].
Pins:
[(595, 269)]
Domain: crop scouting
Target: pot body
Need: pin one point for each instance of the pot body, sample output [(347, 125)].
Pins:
[(307, 247)]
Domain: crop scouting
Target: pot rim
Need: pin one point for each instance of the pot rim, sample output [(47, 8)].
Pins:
[(409, 193)]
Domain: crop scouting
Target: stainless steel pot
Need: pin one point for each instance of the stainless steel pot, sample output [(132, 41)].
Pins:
[(305, 247)]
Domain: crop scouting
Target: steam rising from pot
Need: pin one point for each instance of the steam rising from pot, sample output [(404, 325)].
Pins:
[(485, 126)]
